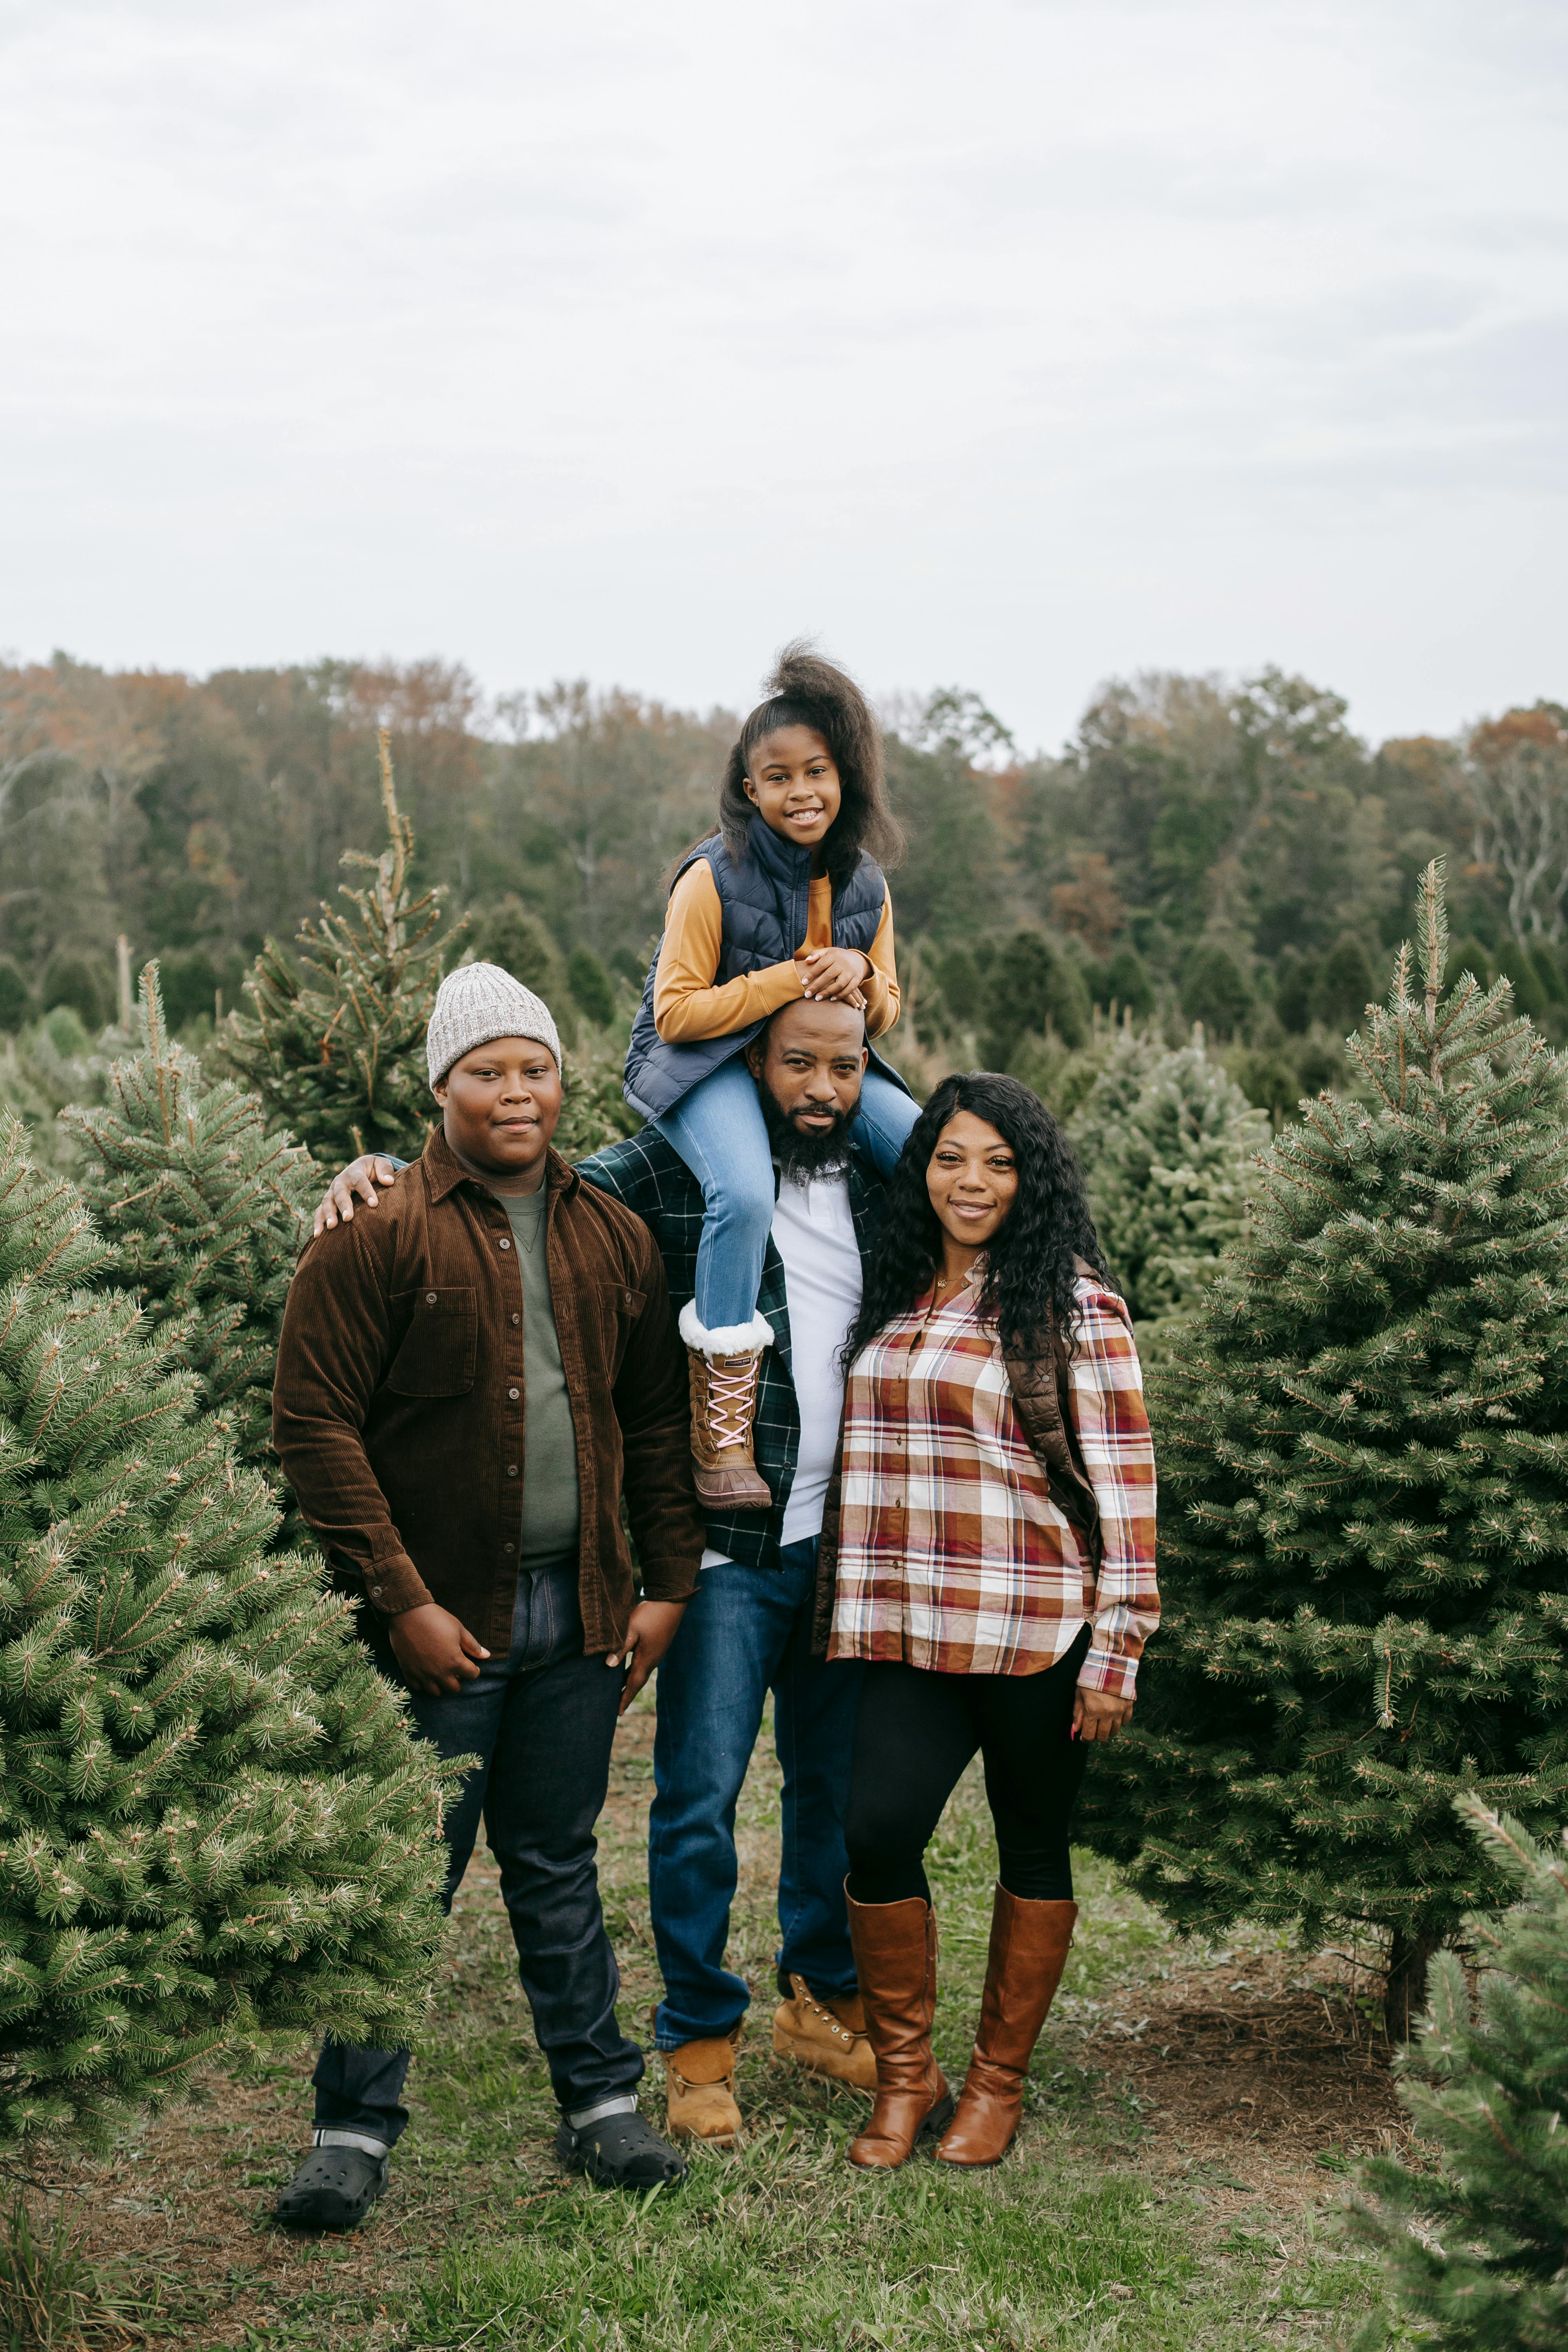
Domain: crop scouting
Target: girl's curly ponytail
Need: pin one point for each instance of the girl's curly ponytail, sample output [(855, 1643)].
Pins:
[(804, 690)]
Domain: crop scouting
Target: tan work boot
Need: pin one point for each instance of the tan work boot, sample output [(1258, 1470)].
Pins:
[(826, 2036), (724, 1367), (700, 2089)]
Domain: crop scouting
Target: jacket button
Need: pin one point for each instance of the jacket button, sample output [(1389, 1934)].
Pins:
[(506, 1549), (515, 1394), (512, 1469), (429, 1298), (506, 1245), (377, 1591), (516, 1318), (628, 1298)]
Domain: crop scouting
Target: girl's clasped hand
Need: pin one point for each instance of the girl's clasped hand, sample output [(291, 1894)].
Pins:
[(835, 976)]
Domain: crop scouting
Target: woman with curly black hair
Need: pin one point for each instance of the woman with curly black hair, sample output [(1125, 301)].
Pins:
[(989, 1551)]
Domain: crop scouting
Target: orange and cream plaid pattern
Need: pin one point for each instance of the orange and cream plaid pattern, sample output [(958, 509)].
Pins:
[(951, 1554)]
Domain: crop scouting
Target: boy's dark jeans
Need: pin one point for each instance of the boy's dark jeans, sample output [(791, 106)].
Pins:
[(542, 1721)]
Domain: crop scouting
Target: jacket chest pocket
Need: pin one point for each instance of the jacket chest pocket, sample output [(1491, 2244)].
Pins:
[(619, 1307), (440, 1344)]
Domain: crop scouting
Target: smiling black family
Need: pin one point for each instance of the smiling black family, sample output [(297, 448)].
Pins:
[(854, 1378)]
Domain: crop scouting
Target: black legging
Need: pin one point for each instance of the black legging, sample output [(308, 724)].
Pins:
[(916, 1733)]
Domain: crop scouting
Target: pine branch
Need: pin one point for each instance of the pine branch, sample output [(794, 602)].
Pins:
[(1362, 1437)]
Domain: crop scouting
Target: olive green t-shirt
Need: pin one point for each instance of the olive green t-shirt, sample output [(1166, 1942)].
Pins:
[(550, 1511)]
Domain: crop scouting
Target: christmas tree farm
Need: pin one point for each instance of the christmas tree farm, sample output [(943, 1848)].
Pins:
[(207, 1210), (1363, 1449), (1479, 2251), (1168, 1143), (214, 1821), (333, 1044)]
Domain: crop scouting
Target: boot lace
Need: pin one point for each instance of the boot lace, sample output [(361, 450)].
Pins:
[(730, 1392)]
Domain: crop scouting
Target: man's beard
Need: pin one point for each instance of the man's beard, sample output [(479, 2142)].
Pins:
[(799, 1152)]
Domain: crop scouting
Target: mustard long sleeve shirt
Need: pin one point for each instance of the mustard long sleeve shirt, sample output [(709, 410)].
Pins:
[(688, 1005)]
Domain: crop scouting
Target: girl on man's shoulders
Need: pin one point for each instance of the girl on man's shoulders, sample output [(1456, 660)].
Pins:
[(786, 901)]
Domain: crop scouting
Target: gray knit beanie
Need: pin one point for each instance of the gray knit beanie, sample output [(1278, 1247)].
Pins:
[(478, 1002)]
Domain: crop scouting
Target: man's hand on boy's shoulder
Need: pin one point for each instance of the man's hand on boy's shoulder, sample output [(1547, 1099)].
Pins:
[(620, 1169), (358, 1181)]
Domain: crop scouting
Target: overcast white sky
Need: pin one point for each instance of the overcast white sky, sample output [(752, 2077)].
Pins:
[(997, 342)]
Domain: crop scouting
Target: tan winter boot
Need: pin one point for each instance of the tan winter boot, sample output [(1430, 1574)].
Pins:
[(725, 1365), (895, 1959), (1029, 1947), (826, 2036), (700, 2089)]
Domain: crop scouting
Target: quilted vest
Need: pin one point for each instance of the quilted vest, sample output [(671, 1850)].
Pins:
[(766, 898)]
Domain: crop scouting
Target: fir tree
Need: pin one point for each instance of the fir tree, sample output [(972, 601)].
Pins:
[(1479, 2251), (207, 1210), (593, 989), (334, 1046), (514, 936), (1168, 1144), (1215, 988), (1364, 1516), (1032, 986), (594, 1111), (213, 1822)]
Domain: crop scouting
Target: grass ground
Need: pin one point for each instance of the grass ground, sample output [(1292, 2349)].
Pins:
[(1190, 2119)]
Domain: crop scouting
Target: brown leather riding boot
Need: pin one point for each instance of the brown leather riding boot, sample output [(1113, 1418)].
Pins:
[(725, 1367), (895, 1959), (1029, 1947)]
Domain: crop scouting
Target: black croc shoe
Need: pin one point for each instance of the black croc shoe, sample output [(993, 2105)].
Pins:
[(620, 2152), (334, 2189)]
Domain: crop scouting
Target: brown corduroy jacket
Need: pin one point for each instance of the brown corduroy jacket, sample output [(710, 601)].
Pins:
[(398, 1406)]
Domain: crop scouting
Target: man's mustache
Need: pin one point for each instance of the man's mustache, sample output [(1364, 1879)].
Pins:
[(841, 1113)]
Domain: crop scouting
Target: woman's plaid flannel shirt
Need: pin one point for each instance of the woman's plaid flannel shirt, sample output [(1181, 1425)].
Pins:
[(952, 1555)]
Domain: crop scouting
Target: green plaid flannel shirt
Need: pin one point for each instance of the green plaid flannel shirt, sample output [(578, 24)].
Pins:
[(649, 1175)]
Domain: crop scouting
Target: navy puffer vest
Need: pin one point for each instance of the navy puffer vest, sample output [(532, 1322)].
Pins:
[(765, 897)]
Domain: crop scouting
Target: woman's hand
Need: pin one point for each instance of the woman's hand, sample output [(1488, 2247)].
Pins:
[(1097, 1715), (653, 1626), (836, 976), (360, 1176), (435, 1649)]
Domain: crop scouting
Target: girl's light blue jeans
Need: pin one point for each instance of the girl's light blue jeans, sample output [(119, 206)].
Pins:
[(719, 1132)]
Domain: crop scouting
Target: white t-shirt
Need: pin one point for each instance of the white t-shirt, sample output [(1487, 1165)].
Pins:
[(814, 1232)]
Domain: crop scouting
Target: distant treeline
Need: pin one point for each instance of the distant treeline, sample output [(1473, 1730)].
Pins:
[(1201, 851)]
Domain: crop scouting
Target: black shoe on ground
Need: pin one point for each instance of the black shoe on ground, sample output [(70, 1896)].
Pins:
[(620, 2152), (334, 2189)]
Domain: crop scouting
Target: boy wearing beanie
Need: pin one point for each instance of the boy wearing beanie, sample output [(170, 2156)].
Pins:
[(466, 1386)]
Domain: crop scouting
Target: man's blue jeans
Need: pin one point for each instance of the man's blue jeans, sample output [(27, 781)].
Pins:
[(542, 1721), (746, 1631)]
